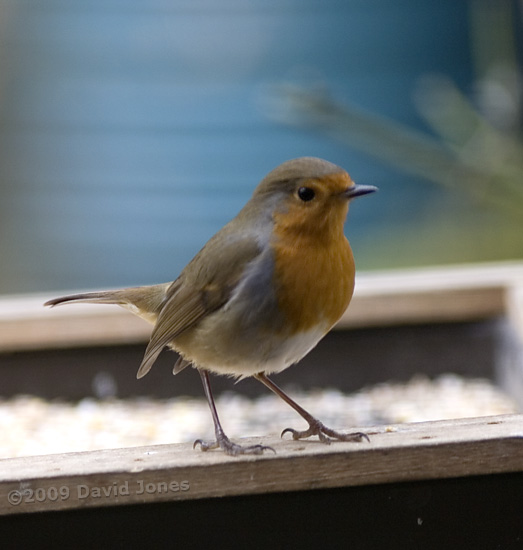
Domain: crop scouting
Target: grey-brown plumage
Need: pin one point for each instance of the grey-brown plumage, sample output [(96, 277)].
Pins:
[(223, 313)]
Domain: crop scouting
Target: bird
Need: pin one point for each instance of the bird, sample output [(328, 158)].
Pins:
[(260, 294)]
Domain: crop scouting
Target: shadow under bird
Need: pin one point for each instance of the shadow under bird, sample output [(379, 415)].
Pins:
[(261, 293)]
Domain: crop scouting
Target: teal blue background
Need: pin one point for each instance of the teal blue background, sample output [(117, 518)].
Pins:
[(131, 131)]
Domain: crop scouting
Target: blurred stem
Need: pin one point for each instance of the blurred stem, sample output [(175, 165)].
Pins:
[(412, 151), (474, 141), (492, 34)]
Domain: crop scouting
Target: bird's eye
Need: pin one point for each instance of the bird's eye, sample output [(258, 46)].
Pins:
[(306, 194)]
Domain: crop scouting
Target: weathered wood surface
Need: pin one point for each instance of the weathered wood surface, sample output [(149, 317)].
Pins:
[(459, 293), (406, 452)]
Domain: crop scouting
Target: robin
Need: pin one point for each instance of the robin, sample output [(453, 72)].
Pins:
[(261, 293)]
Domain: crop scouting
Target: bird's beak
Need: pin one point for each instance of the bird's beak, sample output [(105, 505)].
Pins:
[(359, 190)]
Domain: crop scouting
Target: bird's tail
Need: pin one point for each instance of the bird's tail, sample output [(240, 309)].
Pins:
[(105, 297), (144, 301)]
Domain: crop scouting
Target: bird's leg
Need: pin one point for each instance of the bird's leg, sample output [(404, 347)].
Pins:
[(222, 441), (326, 435)]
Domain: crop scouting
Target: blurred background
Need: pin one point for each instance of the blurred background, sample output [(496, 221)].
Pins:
[(131, 131)]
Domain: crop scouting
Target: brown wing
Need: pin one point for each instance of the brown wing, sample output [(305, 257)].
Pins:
[(204, 286)]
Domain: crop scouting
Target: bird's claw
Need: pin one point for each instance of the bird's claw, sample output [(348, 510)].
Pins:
[(325, 435), (230, 448)]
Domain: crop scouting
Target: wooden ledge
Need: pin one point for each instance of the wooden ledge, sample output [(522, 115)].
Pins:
[(404, 452)]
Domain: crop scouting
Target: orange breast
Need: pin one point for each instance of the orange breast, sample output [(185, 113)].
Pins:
[(314, 278)]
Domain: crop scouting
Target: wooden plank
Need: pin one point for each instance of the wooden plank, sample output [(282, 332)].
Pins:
[(458, 293), (404, 452), (438, 294), (25, 324), (509, 363)]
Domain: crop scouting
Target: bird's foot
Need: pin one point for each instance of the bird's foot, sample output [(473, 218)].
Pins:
[(326, 435), (232, 449)]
